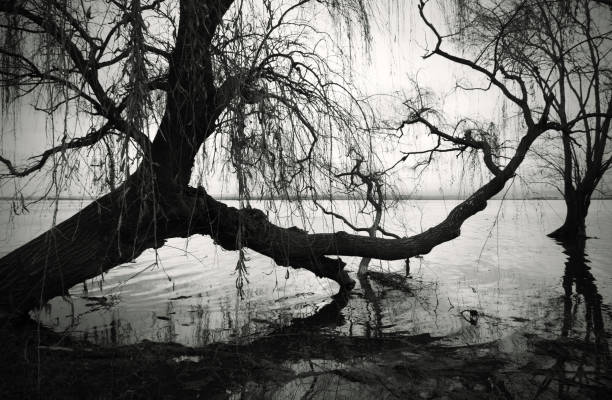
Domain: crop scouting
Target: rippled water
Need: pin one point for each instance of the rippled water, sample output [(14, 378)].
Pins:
[(503, 270)]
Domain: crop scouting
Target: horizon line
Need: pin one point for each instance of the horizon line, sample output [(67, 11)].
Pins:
[(295, 198)]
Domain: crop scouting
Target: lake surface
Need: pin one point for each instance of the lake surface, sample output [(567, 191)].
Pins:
[(500, 277)]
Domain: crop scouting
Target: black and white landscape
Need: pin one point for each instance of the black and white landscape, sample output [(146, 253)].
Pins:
[(305, 199)]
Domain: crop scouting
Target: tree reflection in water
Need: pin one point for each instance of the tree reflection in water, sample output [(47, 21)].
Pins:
[(578, 275), (585, 367), (329, 315)]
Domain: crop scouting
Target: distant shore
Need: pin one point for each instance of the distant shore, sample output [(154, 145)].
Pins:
[(233, 197)]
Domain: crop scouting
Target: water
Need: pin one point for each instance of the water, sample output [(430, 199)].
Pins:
[(500, 277)]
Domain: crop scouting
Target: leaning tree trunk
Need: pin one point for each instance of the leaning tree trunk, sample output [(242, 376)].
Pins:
[(119, 226), (156, 203)]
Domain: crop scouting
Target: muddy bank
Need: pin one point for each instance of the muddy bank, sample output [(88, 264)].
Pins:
[(298, 362)]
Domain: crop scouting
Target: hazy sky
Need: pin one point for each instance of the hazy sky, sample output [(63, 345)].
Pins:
[(395, 59)]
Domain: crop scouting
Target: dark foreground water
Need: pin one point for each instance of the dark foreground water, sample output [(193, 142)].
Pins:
[(502, 291)]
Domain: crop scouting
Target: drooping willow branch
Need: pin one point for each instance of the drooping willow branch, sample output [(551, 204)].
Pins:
[(89, 140)]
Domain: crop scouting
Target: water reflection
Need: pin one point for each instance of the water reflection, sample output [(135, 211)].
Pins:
[(579, 279), (579, 356), (516, 317), (372, 325), (330, 315), (557, 366), (469, 291)]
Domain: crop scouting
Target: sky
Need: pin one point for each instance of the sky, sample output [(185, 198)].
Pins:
[(394, 59)]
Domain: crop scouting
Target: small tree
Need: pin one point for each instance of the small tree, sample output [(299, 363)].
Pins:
[(369, 187), (561, 50)]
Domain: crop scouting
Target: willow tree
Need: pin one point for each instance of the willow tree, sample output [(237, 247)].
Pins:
[(164, 84), (579, 56), (561, 50)]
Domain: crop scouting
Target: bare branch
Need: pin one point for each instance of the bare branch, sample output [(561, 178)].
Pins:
[(519, 101), (467, 141), (88, 140), (350, 224)]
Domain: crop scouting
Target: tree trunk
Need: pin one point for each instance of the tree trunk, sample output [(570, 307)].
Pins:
[(576, 212), (156, 204), (119, 226), (363, 266), (577, 199), (107, 233)]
